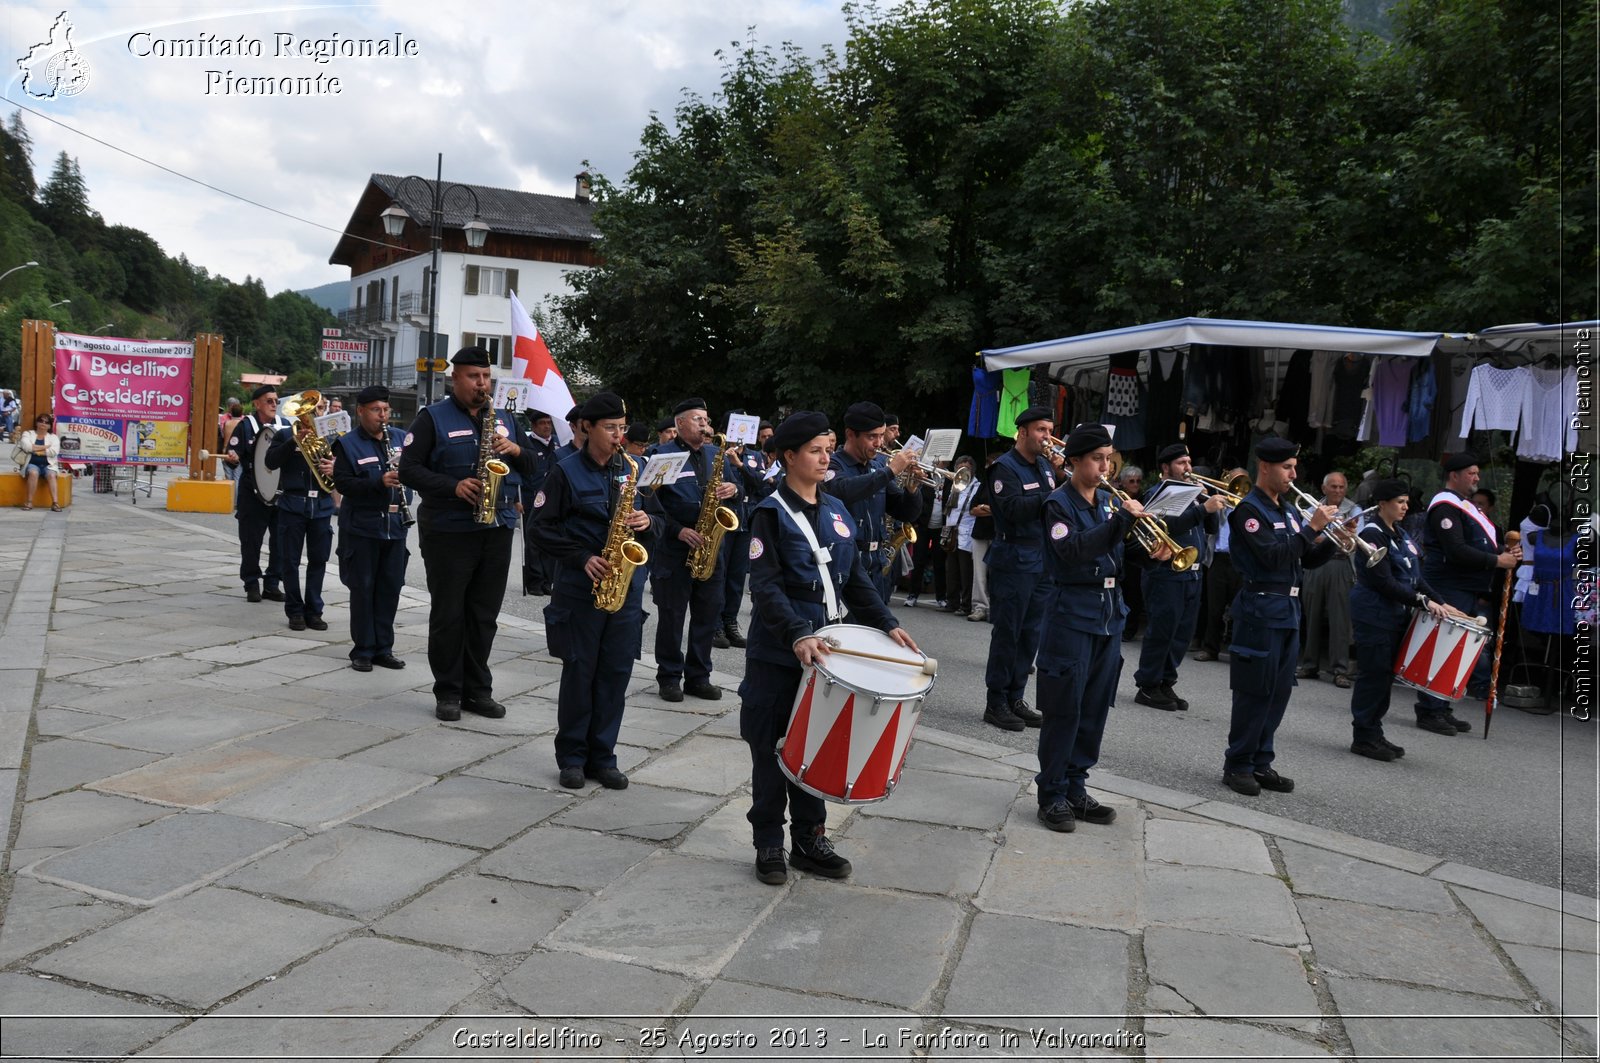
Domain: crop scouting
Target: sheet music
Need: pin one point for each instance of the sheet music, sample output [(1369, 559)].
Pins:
[(743, 427), (942, 444), (1171, 498)]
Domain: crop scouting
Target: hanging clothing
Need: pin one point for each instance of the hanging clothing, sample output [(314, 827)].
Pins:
[(985, 403), (1419, 402), (1013, 400), (1294, 396), (1548, 608), (1164, 411), (1391, 388), (1495, 398), (1350, 375), (1549, 406), (1455, 385), (1319, 413), (1125, 403)]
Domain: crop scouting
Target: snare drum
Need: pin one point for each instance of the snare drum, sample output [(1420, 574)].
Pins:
[(853, 717), (1438, 654)]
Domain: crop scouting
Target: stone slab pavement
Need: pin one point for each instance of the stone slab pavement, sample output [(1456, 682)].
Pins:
[(221, 842)]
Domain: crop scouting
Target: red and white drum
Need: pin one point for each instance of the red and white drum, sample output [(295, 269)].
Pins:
[(1438, 654), (853, 717)]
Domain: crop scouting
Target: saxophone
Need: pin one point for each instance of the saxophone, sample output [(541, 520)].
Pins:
[(491, 470), (714, 521), (901, 533), (622, 551)]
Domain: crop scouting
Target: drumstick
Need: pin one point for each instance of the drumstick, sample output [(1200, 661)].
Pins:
[(928, 665), (1512, 538)]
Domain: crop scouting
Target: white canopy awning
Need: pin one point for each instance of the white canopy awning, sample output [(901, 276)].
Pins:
[(1533, 340), (1096, 346)]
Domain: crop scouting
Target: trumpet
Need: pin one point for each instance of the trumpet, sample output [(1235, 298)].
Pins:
[(1151, 533), (1347, 545), (1055, 449), (1233, 490), (926, 469)]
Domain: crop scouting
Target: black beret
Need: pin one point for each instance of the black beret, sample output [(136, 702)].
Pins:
[(862, 417), (1457, 462), (891, 418), (475, 356), (1172, 453), (1035, 413), (372, 393), (798, 429), (1274, 449), (263, 391), (663, 424), (602, 406), (638, 432), (689, 404), (574, 413), (1086, 437), (1384, 490)]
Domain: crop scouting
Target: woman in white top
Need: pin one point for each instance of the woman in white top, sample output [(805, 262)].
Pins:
[(38, 453)]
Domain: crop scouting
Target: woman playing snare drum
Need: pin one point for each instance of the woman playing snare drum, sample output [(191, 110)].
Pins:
[(791, 597), (1380, 609)]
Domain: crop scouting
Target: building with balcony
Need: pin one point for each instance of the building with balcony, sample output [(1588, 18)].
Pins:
[(533, 242)]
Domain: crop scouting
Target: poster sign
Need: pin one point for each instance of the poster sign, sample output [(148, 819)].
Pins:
[(663, 469), (123, 401), (522, 389), (333, 424), (743, 428)]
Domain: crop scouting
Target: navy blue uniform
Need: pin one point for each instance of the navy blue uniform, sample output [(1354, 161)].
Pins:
[(1172, 599), (570, 520), (305, 523), (1271, 546), (538, 570), (466, 562), (1459, 559), (752, 467), (868, 489), (372, 540), (1019, 586), (1380, 609), (678, 597), (1080, 657), (256, 519), (787, 604)]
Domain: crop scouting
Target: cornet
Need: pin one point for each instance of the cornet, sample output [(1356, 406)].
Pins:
[(1151, 533), (1232, 490), (1347, 546)]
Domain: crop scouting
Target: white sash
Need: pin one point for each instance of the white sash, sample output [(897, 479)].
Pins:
[(830, 598), (1450, 498)]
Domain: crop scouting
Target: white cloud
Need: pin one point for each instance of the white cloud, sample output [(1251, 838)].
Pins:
[(513, 93)]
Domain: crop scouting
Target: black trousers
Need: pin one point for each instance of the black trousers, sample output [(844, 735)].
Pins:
[(766, 701), (374, 570), (678, 598), (297, 535), (257, 521), (1222, 583), (467, 582)]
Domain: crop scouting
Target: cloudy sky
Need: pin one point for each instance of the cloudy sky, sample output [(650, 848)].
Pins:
[(515, 94)]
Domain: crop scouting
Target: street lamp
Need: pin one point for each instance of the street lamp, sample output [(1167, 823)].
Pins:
[(13, 269), (63, 302), (102, 328), (394, 223)]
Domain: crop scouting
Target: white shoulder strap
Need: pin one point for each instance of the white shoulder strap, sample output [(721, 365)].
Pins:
[(830, 597)]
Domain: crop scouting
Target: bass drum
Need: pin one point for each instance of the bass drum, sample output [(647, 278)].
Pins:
[(265, 479)]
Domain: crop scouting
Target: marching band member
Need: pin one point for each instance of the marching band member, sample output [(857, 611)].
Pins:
[(865, 481), (804, 569), (304, 522), (753, 465), (372, 529), (1460, 558), (1019, 483), (572, 521), (466, 562), (538, 571), (1080, 655), (1172, 598), (1380, 608), (1272, 541), (678, 596), (257, 519)]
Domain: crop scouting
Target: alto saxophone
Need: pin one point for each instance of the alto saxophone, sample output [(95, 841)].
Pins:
[(714, 521), (622, 552), (491, 470)]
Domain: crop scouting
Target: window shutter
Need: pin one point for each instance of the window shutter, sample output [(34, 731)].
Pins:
[(472, 280), (506, 352), (511, 283), (469, 339)]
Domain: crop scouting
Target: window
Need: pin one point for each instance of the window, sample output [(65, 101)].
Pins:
[(488, 280), (491, 344)]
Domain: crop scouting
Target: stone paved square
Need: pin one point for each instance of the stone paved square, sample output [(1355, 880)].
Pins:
[(555, 856), (185, 729), (953, 800), (1221, 975), (433, 752), (80, 816), (565, 984), (324, 793), (1013, 971), (1403, 1021), (648, 812), (118, 1027), (63, 763), (1206, 845), (1318, 872), (917, 857), (466, 811), (1416, 947), (39, 915), (351, 869), (1223, 902), (1087, 878), (203, 778), (763, 1013), (488, 915), (198, 949), (320, 738), (704, 765)]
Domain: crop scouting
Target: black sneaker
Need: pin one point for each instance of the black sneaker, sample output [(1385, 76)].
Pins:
[(388, 660), (703, 688), (670, 690), (1180, 703), (769, 867), (999, 714), (486, 707), (610, 778), (1059, 817), (448, 709), (1205, 655), (252, 593), (1030, 716), (1439, 725), (719, 639), (1242, 783), (297, 623), (1398, 751), (273, 594), (1372, 750), (1091, 811), (736, 640), (316, 623), (1459, 724), (818, 857), (1269, 779), (1153, 697), (572, 778), (361, 664)]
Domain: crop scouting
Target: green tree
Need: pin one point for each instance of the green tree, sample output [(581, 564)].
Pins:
[(16, 161), (64, 201)]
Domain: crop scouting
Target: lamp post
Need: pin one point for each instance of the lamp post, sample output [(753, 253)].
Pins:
[(394, 223), (102, 328), (63, 302), (13, 269)]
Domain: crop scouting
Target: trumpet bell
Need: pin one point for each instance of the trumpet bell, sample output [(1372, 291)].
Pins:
[(1184, 559)]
